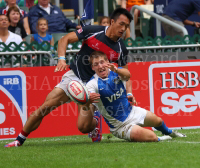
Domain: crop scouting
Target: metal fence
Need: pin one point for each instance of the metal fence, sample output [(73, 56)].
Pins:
[(24, 55), (26, 59)]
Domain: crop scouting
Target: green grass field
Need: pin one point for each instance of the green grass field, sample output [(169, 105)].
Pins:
[(79, 151)]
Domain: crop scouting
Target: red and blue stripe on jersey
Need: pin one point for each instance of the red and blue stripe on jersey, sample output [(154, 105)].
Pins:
[(95, 39)]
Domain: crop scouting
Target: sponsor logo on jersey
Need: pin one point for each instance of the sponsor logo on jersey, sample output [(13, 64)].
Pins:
[(116, 95), (116, 80)]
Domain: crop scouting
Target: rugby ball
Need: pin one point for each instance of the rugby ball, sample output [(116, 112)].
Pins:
[(78, 92)]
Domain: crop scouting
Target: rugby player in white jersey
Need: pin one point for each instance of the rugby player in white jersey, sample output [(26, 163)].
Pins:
[(126, 121)]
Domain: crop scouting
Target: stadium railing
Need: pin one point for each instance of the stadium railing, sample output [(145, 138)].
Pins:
[(34, 54), (25, 54), (159, 19)]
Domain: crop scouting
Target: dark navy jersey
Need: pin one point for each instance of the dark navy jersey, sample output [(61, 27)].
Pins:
[(113, 103), (95, 39)]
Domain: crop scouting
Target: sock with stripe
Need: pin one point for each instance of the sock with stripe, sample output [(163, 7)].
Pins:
[(164, 129), (22, 137)]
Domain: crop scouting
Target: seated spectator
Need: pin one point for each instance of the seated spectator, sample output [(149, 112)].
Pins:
[(15, 24), (178, 12), (5, 35), (23, 14), (42, 35), (104, 21), (57, 21)]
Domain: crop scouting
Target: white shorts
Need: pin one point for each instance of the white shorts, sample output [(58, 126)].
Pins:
[(66, 78), (136, 117)]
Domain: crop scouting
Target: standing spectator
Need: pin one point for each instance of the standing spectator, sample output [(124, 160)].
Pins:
[(23, 14), (15, 24), (56, 19), (178, 11)]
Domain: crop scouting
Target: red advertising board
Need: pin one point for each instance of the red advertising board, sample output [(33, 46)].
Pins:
[(170, 90), (22, 91), (175, 93)]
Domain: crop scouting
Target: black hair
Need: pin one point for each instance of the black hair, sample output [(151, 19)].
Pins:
[(121, 11), (5, 16)]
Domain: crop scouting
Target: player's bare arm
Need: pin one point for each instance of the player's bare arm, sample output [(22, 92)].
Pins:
[(130, 96), (62, 44), (123, 73)]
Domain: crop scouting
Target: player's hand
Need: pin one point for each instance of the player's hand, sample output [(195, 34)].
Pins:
[(132, 100), (112, 67), (94, 97), (61, 66), (197, 24), (78, 27)]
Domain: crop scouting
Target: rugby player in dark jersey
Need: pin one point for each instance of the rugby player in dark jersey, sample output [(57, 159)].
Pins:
[(99, 38)]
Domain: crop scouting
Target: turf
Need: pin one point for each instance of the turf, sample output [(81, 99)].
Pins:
[(79, 151)]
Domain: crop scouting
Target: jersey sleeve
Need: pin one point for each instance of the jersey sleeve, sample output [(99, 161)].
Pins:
[(197, 5), (122, 61), (86, 31), (92, 86)]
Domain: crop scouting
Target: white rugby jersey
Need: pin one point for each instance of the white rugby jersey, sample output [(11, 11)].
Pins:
[(113, 103)]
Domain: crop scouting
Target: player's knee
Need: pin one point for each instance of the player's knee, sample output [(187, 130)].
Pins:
[(153, 137), (84, 127), (136, 135)]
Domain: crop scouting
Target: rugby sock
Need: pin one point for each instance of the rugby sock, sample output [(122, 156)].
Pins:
[(22, 137), (96, 116), (164, 129)]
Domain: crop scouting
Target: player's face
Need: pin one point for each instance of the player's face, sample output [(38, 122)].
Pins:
[(99, 66), (120, 25), (42, 26), (4, 23)]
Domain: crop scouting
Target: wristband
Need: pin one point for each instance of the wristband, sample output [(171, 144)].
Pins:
[(129, 94), (62, 58)]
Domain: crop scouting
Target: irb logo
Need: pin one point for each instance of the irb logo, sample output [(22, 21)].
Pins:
[(11, 81), (13, 114), (175, 93)]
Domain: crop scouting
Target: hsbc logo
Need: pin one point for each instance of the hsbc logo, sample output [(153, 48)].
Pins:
[(180, 80), (175, 92), (186, 103)]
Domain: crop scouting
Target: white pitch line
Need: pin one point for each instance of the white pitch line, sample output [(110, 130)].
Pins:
[(189, 142)]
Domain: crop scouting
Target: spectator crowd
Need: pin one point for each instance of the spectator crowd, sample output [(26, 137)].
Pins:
[(44, 19)]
